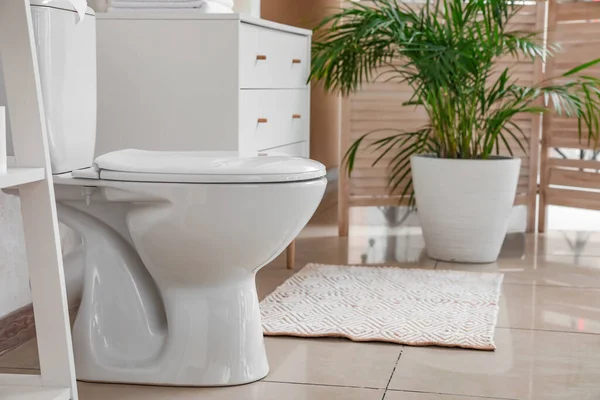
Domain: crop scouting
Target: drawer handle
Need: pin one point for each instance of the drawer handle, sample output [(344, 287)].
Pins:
[(262, 120), (296, 61), (261, 57), (296, 116)]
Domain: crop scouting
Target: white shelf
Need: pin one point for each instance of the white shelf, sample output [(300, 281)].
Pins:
[(40, 223), (19, 176), (10, 392)]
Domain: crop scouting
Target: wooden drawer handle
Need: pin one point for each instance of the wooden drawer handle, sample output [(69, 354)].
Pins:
[(261, 57), (296, 116), (296, 61), (262, 120)]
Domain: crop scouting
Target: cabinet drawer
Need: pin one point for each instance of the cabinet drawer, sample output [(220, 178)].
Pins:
[(273, 118), (272, 59)]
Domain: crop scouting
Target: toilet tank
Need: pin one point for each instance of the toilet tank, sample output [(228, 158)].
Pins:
[(66, 50)]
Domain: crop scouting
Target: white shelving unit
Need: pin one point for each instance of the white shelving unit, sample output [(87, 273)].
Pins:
[(32, 176), (16, 176)]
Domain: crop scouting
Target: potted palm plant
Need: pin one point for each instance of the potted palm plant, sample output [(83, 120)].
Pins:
[(448, 52)]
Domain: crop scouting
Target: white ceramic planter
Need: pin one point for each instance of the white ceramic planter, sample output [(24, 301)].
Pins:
[(464, 205)]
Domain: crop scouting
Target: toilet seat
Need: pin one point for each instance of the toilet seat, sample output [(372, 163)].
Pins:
[(199, 167)]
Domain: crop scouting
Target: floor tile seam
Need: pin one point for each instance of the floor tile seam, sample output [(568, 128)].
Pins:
[(394, 369), (548, 331), (450, 394), (322, 384), (505, 283), (569, 255)]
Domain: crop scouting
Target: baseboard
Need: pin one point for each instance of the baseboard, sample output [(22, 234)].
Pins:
[(18, 327)]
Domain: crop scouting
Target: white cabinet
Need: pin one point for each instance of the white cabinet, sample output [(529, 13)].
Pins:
[(272, 58), (274, 118), (183, 80)]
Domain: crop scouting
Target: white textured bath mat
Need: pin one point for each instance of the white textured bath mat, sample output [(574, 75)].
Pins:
[(408, 306)]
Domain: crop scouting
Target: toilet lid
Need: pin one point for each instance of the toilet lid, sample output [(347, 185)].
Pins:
[(203, 167)]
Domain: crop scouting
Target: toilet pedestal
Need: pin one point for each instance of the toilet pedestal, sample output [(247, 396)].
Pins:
[(203, 346), (169, 293), (216, 335)]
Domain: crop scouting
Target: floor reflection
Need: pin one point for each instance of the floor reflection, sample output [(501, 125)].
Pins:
[(393, 235)]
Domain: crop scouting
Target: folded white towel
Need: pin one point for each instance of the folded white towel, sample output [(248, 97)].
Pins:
[(164, 4), (226, 3), (216, 7), (153, 1), (206, 6), (176, 2)]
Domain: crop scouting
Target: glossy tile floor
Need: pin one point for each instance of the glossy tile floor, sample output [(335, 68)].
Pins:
[(548, 334)]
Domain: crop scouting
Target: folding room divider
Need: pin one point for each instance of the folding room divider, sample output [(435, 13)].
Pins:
[(569, 167), (378, 105)]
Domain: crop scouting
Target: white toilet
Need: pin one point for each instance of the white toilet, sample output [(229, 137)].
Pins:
[(170, 241)]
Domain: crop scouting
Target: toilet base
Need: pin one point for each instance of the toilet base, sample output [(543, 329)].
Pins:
[(213, 337), (169, 294), (169, 384)]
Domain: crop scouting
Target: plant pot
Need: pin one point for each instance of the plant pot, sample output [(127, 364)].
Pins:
[(464, 205)]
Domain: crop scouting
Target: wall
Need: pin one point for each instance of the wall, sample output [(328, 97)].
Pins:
[(324, 134), (14, 276)]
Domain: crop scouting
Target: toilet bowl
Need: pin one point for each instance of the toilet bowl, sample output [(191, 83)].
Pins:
[(169, 242)]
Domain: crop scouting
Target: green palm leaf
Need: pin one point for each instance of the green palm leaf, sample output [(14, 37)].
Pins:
[(447, 51)]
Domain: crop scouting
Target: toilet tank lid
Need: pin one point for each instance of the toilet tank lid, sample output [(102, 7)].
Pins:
[(204, 167), (59, 5)]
